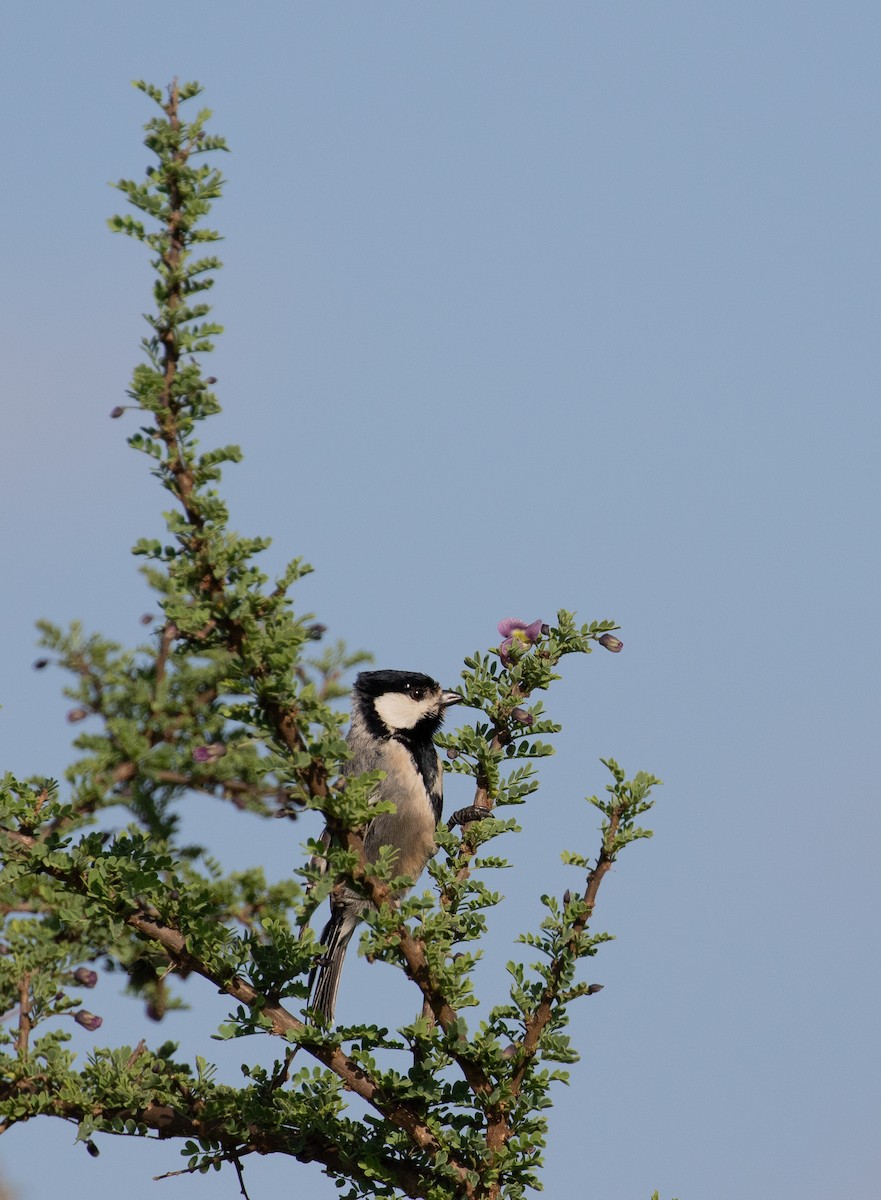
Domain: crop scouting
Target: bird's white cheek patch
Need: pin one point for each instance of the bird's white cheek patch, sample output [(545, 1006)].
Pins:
[(397, 711)]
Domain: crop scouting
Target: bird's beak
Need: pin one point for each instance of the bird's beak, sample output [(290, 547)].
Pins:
[(448, 698)]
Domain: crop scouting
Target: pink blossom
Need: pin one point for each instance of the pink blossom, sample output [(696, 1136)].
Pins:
[(513, 631)]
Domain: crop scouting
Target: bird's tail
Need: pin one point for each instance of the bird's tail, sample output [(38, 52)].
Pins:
[(326, 975)]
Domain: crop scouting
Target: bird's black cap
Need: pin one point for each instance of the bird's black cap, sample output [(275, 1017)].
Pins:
[(377, 683)]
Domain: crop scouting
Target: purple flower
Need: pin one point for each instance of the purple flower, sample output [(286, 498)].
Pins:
[(117, 412), (611, 643), (85, 977), (513, 631), (88, 1020), (204, 754)]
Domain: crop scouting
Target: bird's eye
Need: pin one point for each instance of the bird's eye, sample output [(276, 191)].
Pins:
[(417, 693)]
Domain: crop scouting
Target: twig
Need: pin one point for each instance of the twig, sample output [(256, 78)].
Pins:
[(283, 1073), (483, 803), (136, 1053), (240, 1172), (230, 1156), (169, 633), (473, 812), (541, 1014), (25, 1024)]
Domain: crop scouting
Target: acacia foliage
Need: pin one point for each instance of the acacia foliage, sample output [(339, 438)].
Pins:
[(229, 695)]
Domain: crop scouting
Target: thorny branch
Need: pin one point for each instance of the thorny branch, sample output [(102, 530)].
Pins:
[(536, 1023), (167, 1122), (277, 1018), (283, 719), (483, 803)]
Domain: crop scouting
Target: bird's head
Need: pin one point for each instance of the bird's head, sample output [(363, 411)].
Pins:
[(402, 702)]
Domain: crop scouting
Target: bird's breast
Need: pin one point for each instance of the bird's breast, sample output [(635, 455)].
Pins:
[(410, 829)]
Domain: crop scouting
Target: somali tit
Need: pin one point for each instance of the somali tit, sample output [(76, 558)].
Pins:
[(395, 715)]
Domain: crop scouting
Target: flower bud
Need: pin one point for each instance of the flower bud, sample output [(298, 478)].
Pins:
[(316, 632), (211, 380), (594, 988), (85, 977), (209, 753), (41, 663), (503, 737), (452, 754), (611, 643), (92, 1148), (147, 619), (567, 896), (77, 714), (546, 631), (117, 412), (88, 1020), (521, 715)]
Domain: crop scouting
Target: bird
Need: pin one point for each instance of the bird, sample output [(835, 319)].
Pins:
[(395, 715)]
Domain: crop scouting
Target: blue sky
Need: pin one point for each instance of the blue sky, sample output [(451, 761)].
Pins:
[(528, 306)]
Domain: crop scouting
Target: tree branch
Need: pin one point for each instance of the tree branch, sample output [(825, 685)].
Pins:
[(279, 1021), (541, 1015), (282, 718), (167, 1122)]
